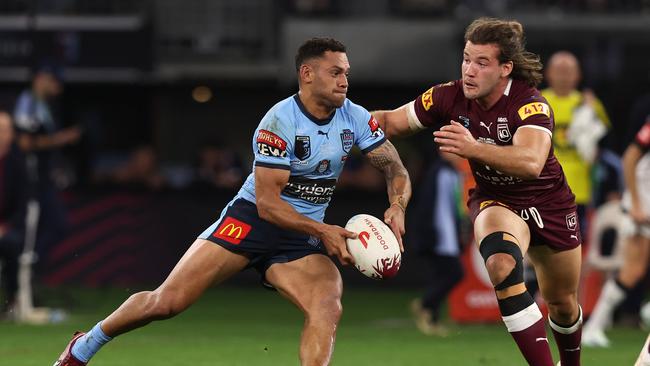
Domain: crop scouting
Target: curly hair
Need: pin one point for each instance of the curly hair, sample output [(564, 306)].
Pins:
[(508, 35), (316, 47)]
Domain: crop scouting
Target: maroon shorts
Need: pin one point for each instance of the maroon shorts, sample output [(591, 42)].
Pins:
[(552, 224)]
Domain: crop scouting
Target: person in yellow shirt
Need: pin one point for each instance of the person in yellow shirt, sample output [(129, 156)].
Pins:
[(580, 121)]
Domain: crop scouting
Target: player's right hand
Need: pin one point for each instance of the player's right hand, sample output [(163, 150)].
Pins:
[(333, 238)]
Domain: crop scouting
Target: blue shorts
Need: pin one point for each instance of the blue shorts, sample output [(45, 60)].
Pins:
[(241, 230)]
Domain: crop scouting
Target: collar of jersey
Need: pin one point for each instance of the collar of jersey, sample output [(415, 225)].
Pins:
[(320, 122)]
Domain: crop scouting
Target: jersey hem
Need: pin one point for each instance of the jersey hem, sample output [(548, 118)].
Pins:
[(272, 166)]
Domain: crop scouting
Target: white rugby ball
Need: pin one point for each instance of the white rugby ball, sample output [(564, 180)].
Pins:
[(376, 250)]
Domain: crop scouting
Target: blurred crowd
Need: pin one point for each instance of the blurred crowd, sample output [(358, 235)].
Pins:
[(340, 7), (465, 7)]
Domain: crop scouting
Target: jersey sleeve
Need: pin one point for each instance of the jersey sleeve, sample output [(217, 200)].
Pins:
[(432, 107), (642, 137), (274, 140), (534, 112), (367, 135)]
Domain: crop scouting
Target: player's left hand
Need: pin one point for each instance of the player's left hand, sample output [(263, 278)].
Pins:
[(456, 139), (394, 218)]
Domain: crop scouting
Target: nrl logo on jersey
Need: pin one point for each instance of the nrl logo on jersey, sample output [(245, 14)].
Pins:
[(572, 221), (503, 132), (465, 121), (347, 140), (303, 147)]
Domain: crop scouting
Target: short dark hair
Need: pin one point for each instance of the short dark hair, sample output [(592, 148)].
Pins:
[(316, 47), (508, 35)]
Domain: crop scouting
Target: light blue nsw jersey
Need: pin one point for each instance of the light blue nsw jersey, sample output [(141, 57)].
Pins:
[(313, 150)]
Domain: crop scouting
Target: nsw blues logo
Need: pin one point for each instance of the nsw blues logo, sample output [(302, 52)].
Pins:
[(302, 149), (347, 140)]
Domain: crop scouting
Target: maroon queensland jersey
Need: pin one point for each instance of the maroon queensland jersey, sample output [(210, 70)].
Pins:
[(521, 106)]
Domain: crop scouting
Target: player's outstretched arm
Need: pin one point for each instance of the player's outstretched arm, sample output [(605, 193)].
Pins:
[(524, 159), (398, 183), (269, 183), (395, 122)]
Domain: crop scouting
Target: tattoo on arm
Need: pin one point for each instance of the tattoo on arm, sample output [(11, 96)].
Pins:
[(386, 159), (383, 156)]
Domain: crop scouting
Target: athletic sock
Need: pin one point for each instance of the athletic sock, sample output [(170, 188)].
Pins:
[(568, 340), (527, 328), (612, 294), (86, 346)]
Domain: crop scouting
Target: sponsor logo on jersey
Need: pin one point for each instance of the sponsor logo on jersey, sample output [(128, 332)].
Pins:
[(324, 133), (427, 99), (465, 121), (347, 139), (498, 179), (270, 144), (313, 240), (502, 120), (534, 108), (323, 168), (316, 191), (572, 221), (503, 132), (232, 230), (302, 150), (487, 127), (486, 140), (374, 127)]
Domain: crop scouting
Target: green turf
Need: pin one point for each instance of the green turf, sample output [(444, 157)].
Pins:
[(234, 326)]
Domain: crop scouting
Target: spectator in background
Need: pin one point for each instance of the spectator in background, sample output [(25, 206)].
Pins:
[(636, 229), (40, 137), (13, 182), (435, 232), (580, 121), (219, 166), (139, 170)]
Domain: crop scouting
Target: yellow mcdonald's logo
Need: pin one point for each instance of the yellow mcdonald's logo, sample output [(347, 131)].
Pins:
[(232, 228)]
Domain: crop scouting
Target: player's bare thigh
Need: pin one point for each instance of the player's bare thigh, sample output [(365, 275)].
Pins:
[(635, 261), (558, 272), (203, 264), (498, 218), (307, 279)]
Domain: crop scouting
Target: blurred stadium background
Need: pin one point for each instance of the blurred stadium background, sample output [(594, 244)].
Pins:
[(163, 88)]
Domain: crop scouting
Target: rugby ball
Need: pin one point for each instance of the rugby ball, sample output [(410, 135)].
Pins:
[(376, 250)]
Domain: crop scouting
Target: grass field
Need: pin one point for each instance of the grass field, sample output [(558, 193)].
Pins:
[(243, 326)]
